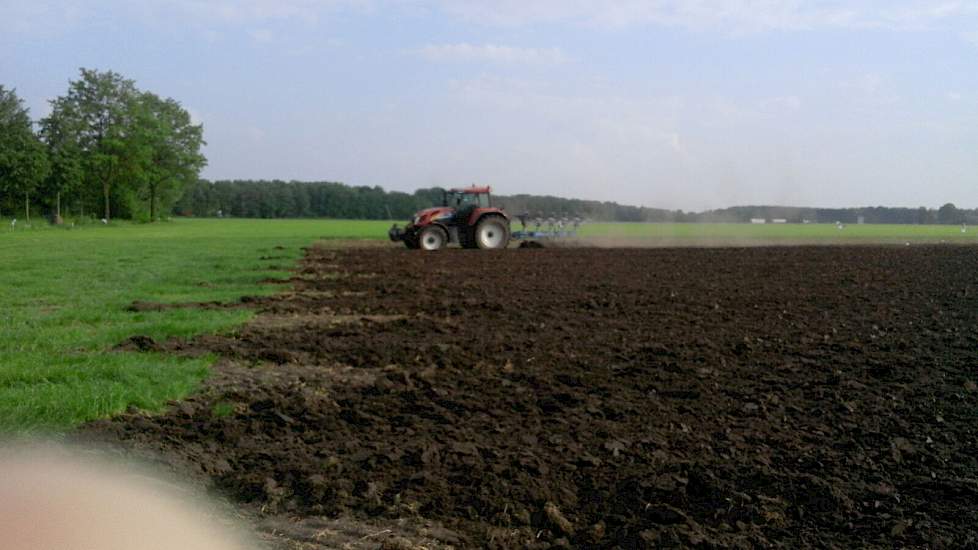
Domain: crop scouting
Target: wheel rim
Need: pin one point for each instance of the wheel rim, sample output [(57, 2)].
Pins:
[(491, 235), (432, 240)]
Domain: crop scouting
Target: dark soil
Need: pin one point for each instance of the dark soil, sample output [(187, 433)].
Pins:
[(795, 397), (140, 306), (139, 342)]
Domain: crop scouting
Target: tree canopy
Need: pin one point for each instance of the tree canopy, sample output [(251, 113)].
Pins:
[(106, 146), (168, 145), (23, 162)]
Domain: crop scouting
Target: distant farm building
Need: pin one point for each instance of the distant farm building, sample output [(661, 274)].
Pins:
[(758, 220), (779, 220)]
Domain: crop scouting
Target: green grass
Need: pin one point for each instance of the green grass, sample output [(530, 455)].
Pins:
[(780, 232), (64, 297)]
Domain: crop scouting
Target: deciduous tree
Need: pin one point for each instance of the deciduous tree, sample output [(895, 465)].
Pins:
[(948, 214), (169, 146), (96, 119), (23, 162), (59, 133)]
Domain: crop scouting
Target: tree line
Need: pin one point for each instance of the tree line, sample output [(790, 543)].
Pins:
[(323, 199), (280, 199), (107, 149), (299, 199)]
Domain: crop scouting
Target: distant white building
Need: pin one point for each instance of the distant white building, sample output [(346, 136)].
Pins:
[(779, 220), (758, 220)]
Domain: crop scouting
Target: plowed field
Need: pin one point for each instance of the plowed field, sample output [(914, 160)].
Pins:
[(807, 396)]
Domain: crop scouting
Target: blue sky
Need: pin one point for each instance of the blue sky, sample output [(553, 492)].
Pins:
[(693, 105)]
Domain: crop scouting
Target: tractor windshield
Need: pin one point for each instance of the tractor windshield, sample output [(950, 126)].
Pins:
[(458, 199)]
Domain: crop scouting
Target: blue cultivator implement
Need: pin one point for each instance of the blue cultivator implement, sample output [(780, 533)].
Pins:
[(545, 230), (562, 234)]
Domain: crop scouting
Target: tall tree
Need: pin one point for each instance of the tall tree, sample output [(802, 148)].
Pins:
[(98, 113), (23, 162), (169, 146), (948, 214), (59, 132)]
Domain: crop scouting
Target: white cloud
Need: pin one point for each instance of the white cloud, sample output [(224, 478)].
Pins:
[(492, 53), (728, 15), (39, 18), (239, 11), (57, 15), (918, 15)]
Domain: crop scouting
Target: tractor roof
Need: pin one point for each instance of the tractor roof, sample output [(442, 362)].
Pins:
[(473, 189)]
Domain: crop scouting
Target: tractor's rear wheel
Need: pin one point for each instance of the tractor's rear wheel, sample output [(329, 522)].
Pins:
[(492, 232), (432, 238)]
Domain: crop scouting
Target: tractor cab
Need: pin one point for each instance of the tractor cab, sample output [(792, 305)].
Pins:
[(469, 197)]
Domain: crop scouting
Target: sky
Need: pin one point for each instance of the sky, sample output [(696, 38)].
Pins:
[(675, 104)]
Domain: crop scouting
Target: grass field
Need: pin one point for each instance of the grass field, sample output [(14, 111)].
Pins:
[(64, 297), (780, 232), (65, 292)]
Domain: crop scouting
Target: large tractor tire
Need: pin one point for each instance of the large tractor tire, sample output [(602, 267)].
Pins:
[(432, 238), (491, 232)]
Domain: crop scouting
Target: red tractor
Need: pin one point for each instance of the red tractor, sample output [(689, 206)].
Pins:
[(466, 217)]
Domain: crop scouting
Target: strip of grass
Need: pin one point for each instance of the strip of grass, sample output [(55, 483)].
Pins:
[(63, 298), (882, 233)]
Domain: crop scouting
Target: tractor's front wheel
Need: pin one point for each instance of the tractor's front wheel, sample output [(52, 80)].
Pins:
[(432, 238), (492, 232)]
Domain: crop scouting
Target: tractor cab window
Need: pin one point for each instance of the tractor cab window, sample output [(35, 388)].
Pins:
[(455, 200), (480, 200), (463, 200)]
